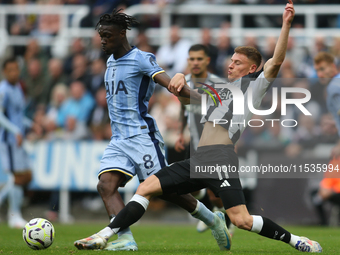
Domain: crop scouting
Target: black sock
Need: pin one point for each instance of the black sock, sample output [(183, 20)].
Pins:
[(112, 216), (131, 213), (271, 230)]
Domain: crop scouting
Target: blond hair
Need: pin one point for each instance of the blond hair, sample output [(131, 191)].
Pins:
[(324, 56), (252, 54)]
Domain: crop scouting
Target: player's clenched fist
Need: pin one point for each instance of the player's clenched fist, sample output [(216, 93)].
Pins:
[(177, 83)]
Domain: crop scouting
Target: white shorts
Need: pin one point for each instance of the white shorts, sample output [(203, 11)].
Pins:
[(141, 154), (13, 158)]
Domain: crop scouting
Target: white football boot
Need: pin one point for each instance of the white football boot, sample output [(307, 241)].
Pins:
[(16, 221), (123, 243), (306, 245), (220, 232), (94, 242)]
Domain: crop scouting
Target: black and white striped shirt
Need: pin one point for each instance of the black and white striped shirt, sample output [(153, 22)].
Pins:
[(236, 124)]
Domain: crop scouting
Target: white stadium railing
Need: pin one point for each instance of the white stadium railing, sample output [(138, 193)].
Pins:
[(70, 18), (237, 31), (158, 36)]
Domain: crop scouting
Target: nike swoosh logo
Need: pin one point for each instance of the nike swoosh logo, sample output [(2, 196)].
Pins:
[(229, 244), (148, 173)]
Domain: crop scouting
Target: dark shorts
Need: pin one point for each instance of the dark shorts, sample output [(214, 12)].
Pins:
[(182, 177)]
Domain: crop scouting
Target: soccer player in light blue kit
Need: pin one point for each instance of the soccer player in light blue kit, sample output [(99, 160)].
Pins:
[(136, 146), (216, 148), (13, 158), (327, 71)]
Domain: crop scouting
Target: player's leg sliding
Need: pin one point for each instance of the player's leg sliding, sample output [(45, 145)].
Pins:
[(267, 228), (135, 209)]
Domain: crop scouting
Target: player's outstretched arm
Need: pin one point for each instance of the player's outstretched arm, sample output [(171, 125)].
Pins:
[(177, 85), (272, 66)]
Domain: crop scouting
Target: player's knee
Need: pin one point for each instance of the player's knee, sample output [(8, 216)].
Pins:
[(106, 186), (149, 188), (242, 222), (143, 189)]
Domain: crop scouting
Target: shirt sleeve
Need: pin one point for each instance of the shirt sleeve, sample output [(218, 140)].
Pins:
[(2, 100), (259, 85), (335, 104), (8, 125), (149, 66)]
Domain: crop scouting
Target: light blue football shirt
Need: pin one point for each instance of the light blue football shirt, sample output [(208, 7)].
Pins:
[(129, 85), (12, 104), (333, 100)]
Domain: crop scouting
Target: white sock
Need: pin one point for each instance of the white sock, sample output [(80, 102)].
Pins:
[(141, 200), (204, 214), (257, 224), (106, 233), (293, 240)]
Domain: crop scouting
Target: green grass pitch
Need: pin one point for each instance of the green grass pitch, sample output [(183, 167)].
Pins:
[(170, 239)]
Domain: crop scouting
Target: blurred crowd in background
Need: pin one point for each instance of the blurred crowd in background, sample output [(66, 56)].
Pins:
[(67, 98)]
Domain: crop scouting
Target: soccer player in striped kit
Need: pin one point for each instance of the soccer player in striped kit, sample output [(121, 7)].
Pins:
[(216, 147), (136, 146)]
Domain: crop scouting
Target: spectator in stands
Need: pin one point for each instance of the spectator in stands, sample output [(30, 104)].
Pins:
[(329, 133), (251, 40), (172, 57), (213, 51), (38, 118), (36, 82), (34, 51), (77, 47), (335, 49), (296, 54), (80, 70), (270, 46), (225, 49), (95, 51), (55, 75), (47, 24), (142, 42), (98, 68), (307, 132), (20, 24), (319, 45), (75, 112), (99, 120), (59, 95)]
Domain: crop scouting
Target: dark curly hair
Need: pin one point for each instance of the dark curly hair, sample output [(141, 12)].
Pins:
[(122, 20)]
